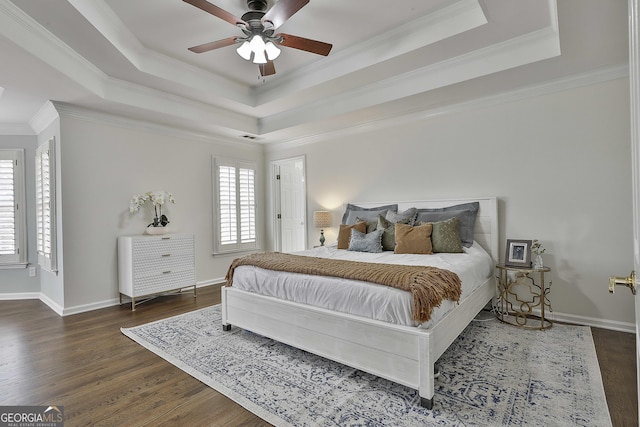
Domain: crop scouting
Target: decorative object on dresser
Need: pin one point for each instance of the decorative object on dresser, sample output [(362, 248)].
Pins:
[(150, 266), (518, 253), (157, 198), (322, 219)]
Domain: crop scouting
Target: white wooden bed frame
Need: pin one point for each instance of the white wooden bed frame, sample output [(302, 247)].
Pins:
[(402, 354)]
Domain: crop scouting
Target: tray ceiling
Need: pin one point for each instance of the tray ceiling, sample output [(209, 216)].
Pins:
[(388, 60)]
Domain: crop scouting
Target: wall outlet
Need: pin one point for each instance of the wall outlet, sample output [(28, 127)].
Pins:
[(32, 272)]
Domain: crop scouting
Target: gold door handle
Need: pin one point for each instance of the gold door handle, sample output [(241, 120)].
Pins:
[(629, 282)]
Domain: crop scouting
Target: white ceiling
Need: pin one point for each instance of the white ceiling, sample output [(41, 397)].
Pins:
[(389, 59)]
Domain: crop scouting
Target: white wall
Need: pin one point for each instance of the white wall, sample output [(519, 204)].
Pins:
[(559, 164), (104, 163)]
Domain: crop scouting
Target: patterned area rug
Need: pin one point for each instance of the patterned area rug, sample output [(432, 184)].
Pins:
[(492, 375)]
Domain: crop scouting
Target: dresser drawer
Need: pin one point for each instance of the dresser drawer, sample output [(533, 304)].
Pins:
[(157, 247), (163, 281), (167, 262)]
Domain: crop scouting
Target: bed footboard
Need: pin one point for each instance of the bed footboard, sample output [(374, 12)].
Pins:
[(402, 354)]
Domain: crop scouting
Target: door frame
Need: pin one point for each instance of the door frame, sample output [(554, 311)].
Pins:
[(634, 92), (275, 199)]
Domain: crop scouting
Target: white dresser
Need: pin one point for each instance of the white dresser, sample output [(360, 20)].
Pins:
[(153, 265)]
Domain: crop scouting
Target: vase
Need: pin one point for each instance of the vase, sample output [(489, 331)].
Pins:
[(154, 231), (538, 263)]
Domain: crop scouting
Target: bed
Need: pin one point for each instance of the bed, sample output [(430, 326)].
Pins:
[(402, 351)]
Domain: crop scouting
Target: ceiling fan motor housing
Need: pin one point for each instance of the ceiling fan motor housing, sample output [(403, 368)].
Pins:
[(256, 26), (259, 5)]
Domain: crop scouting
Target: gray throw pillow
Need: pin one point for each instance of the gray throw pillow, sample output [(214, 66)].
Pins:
[(361, 242), (371, 225), (465, 212), (409, 215), (389, 234), (363, 212)]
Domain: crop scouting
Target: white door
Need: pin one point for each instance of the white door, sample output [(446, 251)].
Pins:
[(290, 205)]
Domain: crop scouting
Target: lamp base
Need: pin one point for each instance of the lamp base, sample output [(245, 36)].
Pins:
[(321, 237)]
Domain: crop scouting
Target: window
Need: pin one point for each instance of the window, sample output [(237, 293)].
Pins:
[(46, 206), (235, 206), (13, 229)]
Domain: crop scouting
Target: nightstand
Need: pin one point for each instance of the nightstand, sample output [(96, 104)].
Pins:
[(523, 298)]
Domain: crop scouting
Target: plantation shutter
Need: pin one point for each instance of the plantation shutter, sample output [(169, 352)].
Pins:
[(247, 205), (236, 206), (12, 215), (228, 222), (45, 206)]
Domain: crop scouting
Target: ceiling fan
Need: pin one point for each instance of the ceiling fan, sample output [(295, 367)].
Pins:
[(259, 25)]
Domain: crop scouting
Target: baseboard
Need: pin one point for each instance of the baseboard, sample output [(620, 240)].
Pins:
[(575, 319), (211, 282), (68, 311), (52, 304), (613, 325), (19, 295)]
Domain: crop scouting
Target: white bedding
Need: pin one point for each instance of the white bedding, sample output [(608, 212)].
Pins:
[(374, 301)]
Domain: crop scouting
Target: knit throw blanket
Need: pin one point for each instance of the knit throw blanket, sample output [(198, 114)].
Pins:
[(428, 285)]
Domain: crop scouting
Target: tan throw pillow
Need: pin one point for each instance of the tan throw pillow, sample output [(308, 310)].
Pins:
[(344, 235), (413, 240)]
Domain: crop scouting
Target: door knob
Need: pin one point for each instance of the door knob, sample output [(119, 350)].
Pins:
[(629, 282)]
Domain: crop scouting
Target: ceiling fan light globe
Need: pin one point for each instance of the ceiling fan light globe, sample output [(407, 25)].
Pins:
[(272, 51), (259, 57), (245, 51), (257, 44)]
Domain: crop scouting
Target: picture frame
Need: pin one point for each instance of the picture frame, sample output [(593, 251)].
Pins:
[(518, 253)]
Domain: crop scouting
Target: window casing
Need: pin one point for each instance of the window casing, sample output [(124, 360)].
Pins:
[(13, 228), (234, 206), (46, 206)]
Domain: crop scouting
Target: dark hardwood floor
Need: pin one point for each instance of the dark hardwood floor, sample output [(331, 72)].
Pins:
[(102, 378)]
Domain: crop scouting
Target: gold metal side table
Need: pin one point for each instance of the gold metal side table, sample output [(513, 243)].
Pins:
[(521, 291)]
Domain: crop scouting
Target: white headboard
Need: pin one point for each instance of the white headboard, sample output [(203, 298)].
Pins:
[(486, 229)]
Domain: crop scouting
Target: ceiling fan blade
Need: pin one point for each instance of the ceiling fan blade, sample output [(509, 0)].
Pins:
[(267, 69), (213, 45), (301, 43), (283, 10), (216, 11)]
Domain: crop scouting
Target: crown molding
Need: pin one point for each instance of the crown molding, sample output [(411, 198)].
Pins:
[(16, 129), (81, 113)]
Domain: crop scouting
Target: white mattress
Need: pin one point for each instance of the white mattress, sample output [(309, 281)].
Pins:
[(370, 300)]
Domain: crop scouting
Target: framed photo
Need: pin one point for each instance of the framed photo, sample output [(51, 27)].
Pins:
[(518, 253)]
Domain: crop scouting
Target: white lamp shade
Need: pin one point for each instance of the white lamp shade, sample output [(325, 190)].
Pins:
[(322, 219)]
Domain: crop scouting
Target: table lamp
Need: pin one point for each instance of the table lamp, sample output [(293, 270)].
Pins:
[(322, 219)]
